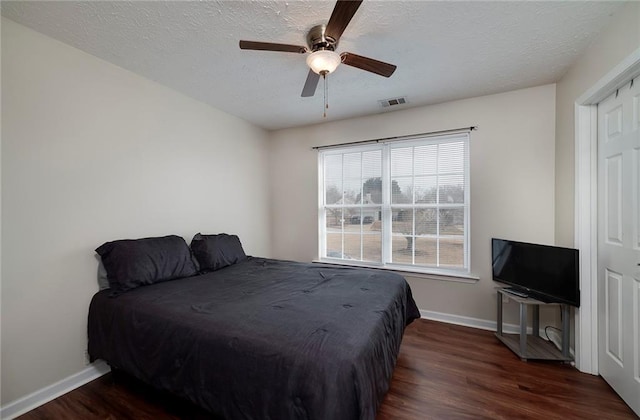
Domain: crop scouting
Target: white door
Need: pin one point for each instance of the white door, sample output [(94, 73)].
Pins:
[(619, 242)]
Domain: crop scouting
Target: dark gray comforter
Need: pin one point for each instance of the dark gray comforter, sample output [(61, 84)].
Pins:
[(262, 339)]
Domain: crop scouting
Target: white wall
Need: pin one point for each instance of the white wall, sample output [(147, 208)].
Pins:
[(512, 183), (92, 153), (617, 42)]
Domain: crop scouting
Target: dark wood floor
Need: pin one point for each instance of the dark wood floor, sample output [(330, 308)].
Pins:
[(443, 372)]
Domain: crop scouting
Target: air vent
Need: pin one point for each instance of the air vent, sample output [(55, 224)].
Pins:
[(393, 101)]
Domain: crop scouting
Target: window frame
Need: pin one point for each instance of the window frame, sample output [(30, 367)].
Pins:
[(463, 272)]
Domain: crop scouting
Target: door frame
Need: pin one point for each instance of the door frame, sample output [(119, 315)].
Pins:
[(585, 207)]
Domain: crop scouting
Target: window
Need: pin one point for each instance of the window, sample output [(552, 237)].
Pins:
[(402, 204)]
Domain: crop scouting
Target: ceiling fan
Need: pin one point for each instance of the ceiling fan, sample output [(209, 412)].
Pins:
[(322, 41)]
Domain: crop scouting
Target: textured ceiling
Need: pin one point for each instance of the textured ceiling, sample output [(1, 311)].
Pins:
[(443, 50)]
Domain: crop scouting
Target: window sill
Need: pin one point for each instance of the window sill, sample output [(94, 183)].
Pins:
[(411, 272)]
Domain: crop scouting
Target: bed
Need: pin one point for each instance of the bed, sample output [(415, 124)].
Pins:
[(261, 338)]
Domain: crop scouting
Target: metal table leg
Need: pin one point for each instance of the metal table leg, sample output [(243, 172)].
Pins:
[(523, 330), (499, 317), (565, 330), (536, 321)]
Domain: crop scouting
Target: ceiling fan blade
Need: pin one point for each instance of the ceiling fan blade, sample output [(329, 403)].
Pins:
[(270, 46), (340, 17), (368, 64), (310, 85)]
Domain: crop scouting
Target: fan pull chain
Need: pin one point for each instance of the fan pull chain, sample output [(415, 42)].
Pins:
[(326, 95)]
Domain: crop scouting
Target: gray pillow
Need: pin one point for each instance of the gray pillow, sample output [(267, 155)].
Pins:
[(103, 280)]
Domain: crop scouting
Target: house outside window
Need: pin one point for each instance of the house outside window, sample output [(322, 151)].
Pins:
[(402, 204)]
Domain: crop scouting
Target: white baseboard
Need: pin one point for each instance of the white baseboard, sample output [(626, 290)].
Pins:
[(465, 321), (485, 324), (53, 391)]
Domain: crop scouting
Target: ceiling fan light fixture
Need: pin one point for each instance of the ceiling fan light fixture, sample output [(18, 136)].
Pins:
[(323, 61)]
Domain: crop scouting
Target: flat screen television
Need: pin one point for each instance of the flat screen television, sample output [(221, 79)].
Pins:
[(543, 272)]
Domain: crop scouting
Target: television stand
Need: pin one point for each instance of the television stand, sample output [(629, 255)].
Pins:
[(533, 346)]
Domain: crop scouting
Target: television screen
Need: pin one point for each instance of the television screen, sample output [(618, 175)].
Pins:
[(546, 273)]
